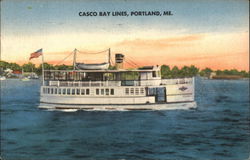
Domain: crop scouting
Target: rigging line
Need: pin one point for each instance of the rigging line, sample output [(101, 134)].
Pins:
[(112, 62), (64, 58), (130, 59), (132, 62), (92, 53), (131, 65)]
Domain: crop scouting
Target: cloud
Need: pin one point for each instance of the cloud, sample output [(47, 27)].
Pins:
[(161, 43), (212, 56)]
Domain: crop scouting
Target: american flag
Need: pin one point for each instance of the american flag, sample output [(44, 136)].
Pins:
[(36, 54)]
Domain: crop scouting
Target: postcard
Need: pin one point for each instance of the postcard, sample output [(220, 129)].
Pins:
[(124, 79)]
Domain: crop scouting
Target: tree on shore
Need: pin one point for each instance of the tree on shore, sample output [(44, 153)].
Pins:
[(46, 65), (166, 71), (29, 67), (206, 72), (4, 65), (13, 66), (190, 71), (63, 67), (193, 71), (175, 72)]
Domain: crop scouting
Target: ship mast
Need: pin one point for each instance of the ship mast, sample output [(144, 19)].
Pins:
[(109, 57), (74, 59)]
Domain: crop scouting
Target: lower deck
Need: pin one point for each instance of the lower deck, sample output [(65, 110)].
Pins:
[(119, 95)]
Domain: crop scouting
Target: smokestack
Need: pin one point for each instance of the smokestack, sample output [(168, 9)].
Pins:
[(119, 60)]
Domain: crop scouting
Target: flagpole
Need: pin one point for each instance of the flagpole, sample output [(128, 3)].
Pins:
[(43, 68)]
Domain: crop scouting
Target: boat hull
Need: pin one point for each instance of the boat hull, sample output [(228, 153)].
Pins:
[(119, 107)]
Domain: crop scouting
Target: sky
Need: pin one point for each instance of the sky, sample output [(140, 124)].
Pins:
[(212, 33)]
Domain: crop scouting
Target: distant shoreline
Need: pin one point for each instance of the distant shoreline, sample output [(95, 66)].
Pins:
[(166, 71), (228, 77)]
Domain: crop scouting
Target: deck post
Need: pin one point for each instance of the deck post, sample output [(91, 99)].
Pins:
[(43, 68)]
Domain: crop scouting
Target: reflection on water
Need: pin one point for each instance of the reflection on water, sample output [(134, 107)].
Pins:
[(217, 129)]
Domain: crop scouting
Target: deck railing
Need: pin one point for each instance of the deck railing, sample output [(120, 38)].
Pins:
[(84, 84), (177, 81), (119, 83)]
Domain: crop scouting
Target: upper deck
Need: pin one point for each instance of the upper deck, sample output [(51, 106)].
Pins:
[(101, 75), (94, 78)]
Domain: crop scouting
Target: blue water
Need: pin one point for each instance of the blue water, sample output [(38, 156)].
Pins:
[(217, 129)]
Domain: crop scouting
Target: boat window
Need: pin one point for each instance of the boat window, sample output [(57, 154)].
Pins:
[(44, 90), (82, 75), (136, 91), (55, 90), (112, 91), (152, 91), (73, 91), (107, 91), (128, 83), (68, 91), (131, 90), (46, 75), (52, 75), (61, 76), (59, 91), (154, 73), (56, 75), (142, 90), (82, 91), (87, 91), (64, 90), (52, 90), (127, 91), (102, 91), (77, 91), (48, 90), (97, 91)]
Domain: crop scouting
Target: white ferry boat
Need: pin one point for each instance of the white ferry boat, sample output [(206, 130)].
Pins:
[(94, 87)]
